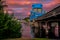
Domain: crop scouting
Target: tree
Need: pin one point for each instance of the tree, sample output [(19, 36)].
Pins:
[(8, 28), (26, 19)]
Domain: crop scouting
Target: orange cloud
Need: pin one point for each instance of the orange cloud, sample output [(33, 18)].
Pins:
[(24, 3), (51, 5), (28, 13), (18, 2)]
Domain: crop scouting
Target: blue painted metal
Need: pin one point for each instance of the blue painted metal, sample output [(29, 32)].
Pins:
[(34, 14), (37, 6)]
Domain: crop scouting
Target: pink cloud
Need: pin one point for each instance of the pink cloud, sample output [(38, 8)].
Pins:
[(51, 5), (25, 5)]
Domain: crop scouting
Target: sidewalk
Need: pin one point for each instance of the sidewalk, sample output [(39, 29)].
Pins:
[(26, 31)]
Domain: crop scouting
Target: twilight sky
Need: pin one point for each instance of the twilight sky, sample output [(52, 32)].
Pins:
[(23, 7)]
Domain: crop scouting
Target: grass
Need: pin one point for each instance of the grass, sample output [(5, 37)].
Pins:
[(40, 39), (27, 39)]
